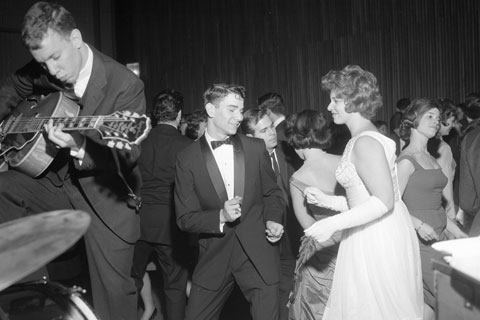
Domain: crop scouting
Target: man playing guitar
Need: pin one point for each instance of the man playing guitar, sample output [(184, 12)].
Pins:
[(85, 174)]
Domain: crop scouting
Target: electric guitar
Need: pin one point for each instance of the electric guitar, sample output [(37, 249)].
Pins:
[(23, 145)]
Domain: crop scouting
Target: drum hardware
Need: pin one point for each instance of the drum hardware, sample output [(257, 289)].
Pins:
[(44, 300), (26, 244)]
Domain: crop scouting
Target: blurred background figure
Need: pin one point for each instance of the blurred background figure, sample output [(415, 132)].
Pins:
[(196, 124), (382, 127), (469, 176), (160, 235)]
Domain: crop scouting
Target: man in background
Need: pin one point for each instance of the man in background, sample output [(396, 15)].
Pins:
[(272, 104), (469, 183), (159, 233), (257, 124)]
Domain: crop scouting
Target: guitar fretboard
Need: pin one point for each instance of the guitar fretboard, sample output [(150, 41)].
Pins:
[(29, 125)]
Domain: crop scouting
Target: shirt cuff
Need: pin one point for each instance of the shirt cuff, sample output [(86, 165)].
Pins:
[(221, 223), (80, 153)]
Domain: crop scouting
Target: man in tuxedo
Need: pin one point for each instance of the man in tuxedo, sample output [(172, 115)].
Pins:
[(257, 124), (225, 190), (159, 233), (86, 174)]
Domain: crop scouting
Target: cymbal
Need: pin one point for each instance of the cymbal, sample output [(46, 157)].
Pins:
[(26, 244)]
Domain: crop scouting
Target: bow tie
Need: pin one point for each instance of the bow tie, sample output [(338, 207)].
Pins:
[(216, 144)]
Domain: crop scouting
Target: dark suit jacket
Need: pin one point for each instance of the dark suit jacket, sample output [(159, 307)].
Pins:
[(293, 230), (157, 165), (200, 194), (469, 193), (112, 87), (280, 129)]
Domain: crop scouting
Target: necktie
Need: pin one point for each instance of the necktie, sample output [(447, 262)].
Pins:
[(275, 164), (276, 170), (216, 144)]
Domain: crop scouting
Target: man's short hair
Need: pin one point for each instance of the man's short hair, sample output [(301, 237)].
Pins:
[(194, 120), (473, 106), (273, 102), (221, 90), (403, 103), (250, 119), (166, 105), (43, 16)]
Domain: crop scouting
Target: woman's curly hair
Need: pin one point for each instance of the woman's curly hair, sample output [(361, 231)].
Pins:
[(414, 113), (357, 87)]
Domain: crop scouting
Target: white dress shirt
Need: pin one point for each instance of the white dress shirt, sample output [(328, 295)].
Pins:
[(79, 87), (224, 157)]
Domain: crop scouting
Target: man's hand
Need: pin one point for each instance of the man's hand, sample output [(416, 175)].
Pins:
[(232, 210), (61, 139), (274, 231)]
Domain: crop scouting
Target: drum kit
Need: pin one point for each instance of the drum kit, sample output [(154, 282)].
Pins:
[(26, 245)]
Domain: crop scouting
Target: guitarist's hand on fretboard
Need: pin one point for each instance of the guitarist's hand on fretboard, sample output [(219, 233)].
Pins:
[(73, 140)]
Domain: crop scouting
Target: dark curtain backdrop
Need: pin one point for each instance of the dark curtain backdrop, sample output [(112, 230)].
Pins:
[(416, 48)]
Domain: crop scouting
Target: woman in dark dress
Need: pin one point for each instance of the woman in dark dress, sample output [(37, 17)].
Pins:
[(422, 183), (308, 133)]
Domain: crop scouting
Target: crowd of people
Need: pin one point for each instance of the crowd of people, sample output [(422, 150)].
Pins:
[(306, 226)]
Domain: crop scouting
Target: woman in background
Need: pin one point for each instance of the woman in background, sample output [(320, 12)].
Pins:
[(443, 152), (308, 133), (377, 273), (422, 184)]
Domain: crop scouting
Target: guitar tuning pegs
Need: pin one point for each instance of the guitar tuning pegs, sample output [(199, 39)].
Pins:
[(119, 145), (128, 147), (111, 144), (135, 114)]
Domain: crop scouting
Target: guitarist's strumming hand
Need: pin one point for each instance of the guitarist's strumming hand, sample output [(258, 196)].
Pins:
[(73, 140)]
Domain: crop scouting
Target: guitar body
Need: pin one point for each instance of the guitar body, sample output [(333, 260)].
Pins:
[(32, 153)]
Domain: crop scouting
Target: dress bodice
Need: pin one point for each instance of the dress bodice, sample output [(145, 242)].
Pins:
[(348, 177), (424, 188), (317, 212)]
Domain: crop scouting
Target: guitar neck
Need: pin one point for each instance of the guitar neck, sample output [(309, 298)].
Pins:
[(31, 125)]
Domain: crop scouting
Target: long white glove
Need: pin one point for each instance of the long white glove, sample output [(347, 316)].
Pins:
[(368, 211), (316, 197)]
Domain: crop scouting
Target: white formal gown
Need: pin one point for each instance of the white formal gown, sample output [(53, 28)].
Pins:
[(378, 274)]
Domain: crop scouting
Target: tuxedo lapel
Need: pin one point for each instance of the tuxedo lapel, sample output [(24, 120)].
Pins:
[(239, 166), (213, 171)]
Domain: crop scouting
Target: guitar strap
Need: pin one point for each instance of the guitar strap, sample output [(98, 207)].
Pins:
[(134, 201)]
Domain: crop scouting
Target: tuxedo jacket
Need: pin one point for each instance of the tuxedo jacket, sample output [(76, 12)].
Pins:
[(112, 87), (200, 194), (157, 165)]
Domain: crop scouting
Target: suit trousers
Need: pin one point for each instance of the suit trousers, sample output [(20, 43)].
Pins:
[(109, 257), (204, 304), (174, 271)]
